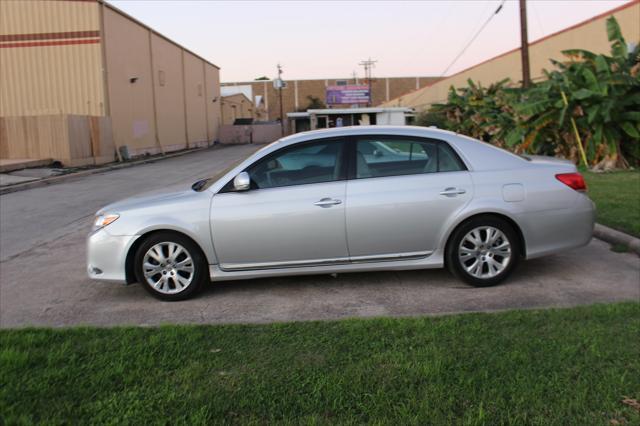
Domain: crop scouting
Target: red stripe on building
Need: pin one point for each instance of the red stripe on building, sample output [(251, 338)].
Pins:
[(50, 43), (49, 36)]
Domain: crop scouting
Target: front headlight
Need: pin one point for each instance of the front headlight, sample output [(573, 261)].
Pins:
[(103, 220)]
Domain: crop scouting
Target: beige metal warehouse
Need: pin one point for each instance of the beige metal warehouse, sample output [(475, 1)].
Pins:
[(80, 79)]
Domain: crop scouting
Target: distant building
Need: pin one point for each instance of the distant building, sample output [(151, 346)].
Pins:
[(80, 79), (337, 117), (238, 106), (590, 35), (297, 94)]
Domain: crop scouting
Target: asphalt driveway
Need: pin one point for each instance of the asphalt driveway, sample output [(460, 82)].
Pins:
[(43, 279)]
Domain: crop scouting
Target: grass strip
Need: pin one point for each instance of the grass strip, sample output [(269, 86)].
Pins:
[(560, 366), (617, 198)]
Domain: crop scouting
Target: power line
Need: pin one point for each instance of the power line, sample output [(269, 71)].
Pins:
[(535, 12), (473, 38)]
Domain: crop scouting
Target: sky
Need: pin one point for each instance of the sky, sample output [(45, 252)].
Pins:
[(327, 39)]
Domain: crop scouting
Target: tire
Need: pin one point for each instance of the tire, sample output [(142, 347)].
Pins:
[(180, 266), (476, 240)]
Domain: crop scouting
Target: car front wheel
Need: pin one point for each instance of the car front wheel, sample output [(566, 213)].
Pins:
[(483, 251), (170, 266)]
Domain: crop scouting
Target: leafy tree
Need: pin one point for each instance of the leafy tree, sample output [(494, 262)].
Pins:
[(602, 95), (482, 113), (431, 118), (314, 103), (264, 77)]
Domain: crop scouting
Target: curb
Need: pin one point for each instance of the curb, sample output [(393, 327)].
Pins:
[(61, 178), (612, 236)]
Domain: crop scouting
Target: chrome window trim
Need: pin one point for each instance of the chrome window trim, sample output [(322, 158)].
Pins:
[(343, 153), (352, 175)]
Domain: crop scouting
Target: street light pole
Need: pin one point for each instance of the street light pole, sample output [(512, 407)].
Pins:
[(368, 65), (524, 47), (280, 83)]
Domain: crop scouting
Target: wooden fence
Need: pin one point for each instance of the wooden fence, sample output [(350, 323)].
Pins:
[(74, 140)]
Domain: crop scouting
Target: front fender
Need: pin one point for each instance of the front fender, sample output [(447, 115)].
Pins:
[(196, 231), (189, 216)]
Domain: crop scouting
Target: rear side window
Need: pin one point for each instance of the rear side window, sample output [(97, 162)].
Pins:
[(390, 156), (448, 160)]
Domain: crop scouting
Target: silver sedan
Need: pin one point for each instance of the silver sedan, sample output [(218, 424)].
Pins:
[(346, 200)]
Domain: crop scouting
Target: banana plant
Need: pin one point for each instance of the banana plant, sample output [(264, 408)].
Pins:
[(598, 93)]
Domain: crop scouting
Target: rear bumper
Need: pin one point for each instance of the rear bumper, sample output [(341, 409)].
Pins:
[(107, 254), (553, 231)]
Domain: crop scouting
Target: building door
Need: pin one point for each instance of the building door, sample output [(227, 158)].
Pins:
[(323, 122)]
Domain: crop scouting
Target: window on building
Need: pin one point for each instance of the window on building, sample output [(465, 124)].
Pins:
[(341, 82), (161, 78)]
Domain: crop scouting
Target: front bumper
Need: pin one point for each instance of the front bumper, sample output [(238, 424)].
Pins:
[(107, 255)]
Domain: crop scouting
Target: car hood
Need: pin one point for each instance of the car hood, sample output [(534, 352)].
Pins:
[(152, 199)]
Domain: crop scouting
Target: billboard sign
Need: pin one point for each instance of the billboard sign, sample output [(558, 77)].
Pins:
[(349, 94)]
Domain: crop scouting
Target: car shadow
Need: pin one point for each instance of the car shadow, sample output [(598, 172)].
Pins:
[(541, 269)]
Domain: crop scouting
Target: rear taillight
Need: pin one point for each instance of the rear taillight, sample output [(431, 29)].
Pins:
[(573, 180)]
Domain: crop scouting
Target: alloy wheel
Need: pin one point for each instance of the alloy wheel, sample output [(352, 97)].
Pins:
[(484, 252), (168, 267)]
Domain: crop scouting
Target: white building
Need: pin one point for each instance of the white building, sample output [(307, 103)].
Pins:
[(324, 118)]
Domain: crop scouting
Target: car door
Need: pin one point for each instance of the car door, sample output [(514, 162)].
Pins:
[(403, 191), (293, 214)]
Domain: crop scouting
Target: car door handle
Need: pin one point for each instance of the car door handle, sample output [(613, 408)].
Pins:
[(452, 192), (327, 202)]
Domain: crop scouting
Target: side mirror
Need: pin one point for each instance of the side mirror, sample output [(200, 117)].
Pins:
[(242, 182)]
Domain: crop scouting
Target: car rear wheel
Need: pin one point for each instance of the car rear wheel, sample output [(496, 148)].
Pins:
[(170, 266), (483, 251)]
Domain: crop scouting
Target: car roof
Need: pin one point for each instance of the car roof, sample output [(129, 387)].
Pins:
[(364, 130), (477, 155)]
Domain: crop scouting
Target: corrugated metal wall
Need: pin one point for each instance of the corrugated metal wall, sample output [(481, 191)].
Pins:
[(161, 96), (167, 65), (88, 58), (50, 58), (129, 82), (194, 91), (213, 100)]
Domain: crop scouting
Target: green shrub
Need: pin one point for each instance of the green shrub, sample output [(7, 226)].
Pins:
[(598, 93)]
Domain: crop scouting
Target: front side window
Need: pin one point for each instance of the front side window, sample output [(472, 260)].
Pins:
[(307, 163), (389, 156)]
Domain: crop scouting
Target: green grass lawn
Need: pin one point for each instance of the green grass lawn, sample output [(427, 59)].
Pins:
[(565, 366), (617, 196)]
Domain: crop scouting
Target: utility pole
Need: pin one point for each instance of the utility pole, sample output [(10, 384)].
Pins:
[(280, 84), (524, 47), (355, 77), (368, 66)]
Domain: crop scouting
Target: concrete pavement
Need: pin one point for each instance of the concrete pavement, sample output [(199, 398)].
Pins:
[(43, 279), (32, 217)]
